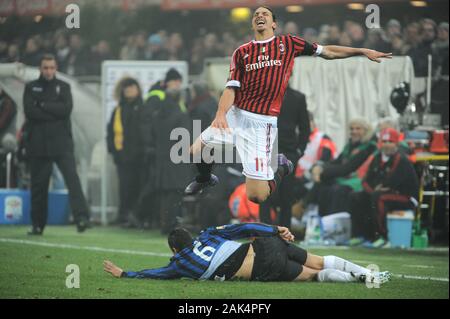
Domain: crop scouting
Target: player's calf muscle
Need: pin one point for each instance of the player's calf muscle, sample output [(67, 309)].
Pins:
[(257, 191)]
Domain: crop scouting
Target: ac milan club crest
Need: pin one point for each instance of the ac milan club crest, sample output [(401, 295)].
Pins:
[(282, 48)]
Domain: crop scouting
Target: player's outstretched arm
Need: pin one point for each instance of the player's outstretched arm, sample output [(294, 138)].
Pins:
[(331, 52)]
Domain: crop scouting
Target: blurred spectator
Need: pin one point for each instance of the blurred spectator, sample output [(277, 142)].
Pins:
[(100, 53), (335, 180), (156, 48), (345, 40), (376, 41), (440, 97), (440, 48), (62, 52), (13, 54), (196, 61), (397, 45), (125, 144), (419, 54), (3, 51), (175, 48), (390, 184), (412, 36), (310, 35), (393, 29), (169, 178), (323, 34), (32, 53), (334, 35), (211, 48), (229, 44), (128, 50), (356, 33), (140, 44), (203, 105), (78, 60), (291, 28)]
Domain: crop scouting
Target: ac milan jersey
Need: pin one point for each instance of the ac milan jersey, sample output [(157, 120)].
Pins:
[(260, 71)]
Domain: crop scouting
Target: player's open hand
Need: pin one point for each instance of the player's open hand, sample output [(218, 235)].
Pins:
[(112, 269), (285, 234), (220, 122), (376, 56)]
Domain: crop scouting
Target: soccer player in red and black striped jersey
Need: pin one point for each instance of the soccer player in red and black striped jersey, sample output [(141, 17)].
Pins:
[(249, 106)]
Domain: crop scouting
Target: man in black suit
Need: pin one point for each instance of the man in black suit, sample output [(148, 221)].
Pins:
[(48, 104)]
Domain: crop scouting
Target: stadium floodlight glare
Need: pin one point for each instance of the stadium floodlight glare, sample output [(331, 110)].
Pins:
[(294, 9), (240, 14), (355, 6), (419, 4)]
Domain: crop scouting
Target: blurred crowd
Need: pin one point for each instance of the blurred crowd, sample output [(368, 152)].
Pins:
[(76, 57)]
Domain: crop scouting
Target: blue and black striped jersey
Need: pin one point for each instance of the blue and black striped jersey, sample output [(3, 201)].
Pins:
[(208, 251)]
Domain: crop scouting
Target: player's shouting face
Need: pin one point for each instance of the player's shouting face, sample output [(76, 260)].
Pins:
[(263, 20)]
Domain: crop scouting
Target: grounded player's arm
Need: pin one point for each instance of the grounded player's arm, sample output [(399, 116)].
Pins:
[(247, 230), (157, 273), (225, 103), (331, 52)]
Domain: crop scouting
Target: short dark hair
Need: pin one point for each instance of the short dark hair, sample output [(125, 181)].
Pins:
[(179, 238), (47, 57), (271, 11)]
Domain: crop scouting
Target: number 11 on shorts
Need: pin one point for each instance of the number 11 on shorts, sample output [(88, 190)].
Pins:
[(259, 164)]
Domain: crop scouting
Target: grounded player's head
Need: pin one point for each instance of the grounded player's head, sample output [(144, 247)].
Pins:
[(179, 238), (264, 19)]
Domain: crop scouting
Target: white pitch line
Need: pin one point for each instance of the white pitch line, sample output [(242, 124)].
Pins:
[(148, 253), (418, 266), (92, 248), (420, 277)]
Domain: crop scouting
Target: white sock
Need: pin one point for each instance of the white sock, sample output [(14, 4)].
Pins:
[(333, 262), (333, 275)]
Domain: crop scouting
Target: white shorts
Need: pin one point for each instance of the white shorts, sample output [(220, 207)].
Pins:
[(253, 135)]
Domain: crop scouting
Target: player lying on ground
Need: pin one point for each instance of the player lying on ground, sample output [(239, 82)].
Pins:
[(215, 255), (250, 104)]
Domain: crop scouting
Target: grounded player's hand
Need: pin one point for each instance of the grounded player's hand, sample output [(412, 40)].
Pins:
[(285, 233), (220, 122), (112, 269), (376, 56)]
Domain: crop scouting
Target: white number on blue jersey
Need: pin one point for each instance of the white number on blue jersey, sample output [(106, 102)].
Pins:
[(205, 253)]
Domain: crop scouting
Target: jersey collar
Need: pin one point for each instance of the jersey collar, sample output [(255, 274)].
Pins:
[(264, 41)]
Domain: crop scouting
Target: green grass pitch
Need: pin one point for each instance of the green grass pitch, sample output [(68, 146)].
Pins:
[(35, 267)]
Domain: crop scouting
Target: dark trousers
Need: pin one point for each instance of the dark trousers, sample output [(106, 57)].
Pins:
[(170, 202), (369, 212), (283, 197), (330, 197), (130, 180), (41, 170)]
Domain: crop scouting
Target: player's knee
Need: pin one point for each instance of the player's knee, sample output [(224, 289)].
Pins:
[(314, 261)]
